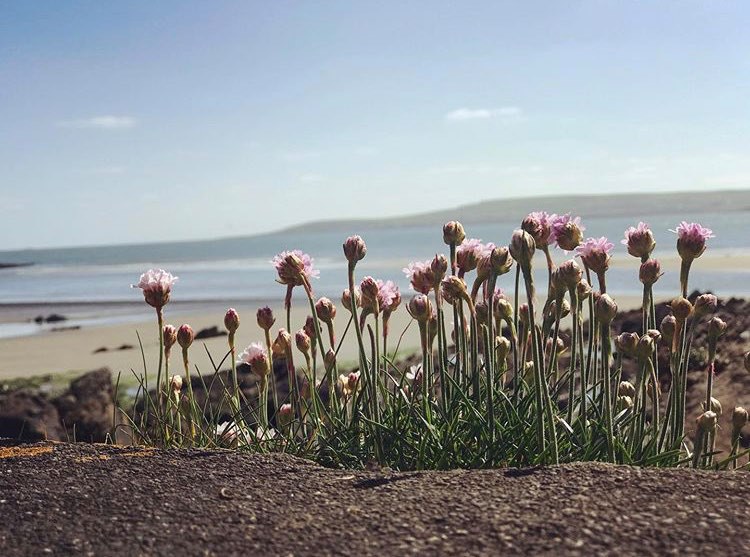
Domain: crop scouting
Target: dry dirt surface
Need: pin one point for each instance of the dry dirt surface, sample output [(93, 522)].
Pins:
[(66, 499)]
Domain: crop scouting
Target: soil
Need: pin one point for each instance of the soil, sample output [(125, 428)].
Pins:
[(83, 499)]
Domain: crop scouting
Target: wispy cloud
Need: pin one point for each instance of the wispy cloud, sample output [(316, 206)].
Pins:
[(106, 122), (504, 113)]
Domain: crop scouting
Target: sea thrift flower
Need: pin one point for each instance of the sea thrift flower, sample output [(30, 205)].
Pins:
[(594, 253), (668, 328), (503, 307), (354, 249), (626, 388), (350, 384), (691, 239), (468, 254), (567, 232), (639, 241), (294, 268), (605, 309), (500, 260), (584, 290), (265, 318), (681, 308), (369, 288), (325, 309), (420, 276), (502, 347), (185, 336), (346, 298), (285, 415), (650, 272), (414, 378), (175, 383), (569, 274), (539, 225), (522, 248), (170, 337), (645, 347), (454, 289), (302, 340), (156, 286), (439, 267), (420, 308), (704, 304), (453, 233), (256, 357), (739, 419), (283, 342), (232, 320)]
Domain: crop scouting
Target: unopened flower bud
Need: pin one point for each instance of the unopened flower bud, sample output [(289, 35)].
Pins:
[(523, 314), (626, 388), (715, 406), (559, 346), (175, 383), (231, 320), (265, 318), (605, 309), (624, 402), (522, 248), (283, 342), (706, 422), (286, 414), (354, 249), (500, 260), (346, 299), (568, 234), (681, 308), (654, 334), (302, 340), (668, 328), (329, 360), (420, 308), (185, 335), (564, 308), (716, 328), (453, 233), (439, 267), (584, 290), (705, 304), (502, 347), (650, 272), (454, 289), (170, 337), (626, 343), (739, 419), (483, 312), (503, 309), (570, 274), (325, 309), (645, 347)]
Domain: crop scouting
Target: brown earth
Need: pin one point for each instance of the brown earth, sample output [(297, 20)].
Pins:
[(66, 499)]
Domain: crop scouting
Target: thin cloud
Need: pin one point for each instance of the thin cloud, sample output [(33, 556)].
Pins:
[(504, 113), (107, 122)]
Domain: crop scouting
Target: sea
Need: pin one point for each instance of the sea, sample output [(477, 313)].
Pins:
[(240, 270)]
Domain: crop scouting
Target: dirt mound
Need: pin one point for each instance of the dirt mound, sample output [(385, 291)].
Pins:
[(82, 499)]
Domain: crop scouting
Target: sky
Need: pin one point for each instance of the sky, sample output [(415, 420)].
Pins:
[(128, 122)]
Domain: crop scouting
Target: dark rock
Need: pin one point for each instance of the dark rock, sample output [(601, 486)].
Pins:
[(101, 349), (210, 332), (27, 415), (39, 319), (125, 347), (87, 408), (59, 329), (55, 318)]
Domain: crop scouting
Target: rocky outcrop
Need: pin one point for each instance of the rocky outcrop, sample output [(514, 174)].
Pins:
[(27, 415)]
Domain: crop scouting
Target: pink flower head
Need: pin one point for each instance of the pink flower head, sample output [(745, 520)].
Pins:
[(468, 254), (566, 232), (420, 276), (484, 262), (639, 240), (256, 357), (156, 286), (389, 296), (691, 239), (594, 253), (539, 225), (294, 267)]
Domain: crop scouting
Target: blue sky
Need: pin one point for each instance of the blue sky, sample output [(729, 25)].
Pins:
[(151, 121)]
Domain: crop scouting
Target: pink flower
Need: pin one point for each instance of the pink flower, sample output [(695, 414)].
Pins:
[(691, 239), (294, 267), (389, 296), (256, 357), (156, 286), (566, 232), (594, 253), (468, 254), (539, 225), (639, 240), (420, 276)]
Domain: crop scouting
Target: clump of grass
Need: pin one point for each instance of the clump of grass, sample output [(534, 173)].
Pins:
[(498, 382)]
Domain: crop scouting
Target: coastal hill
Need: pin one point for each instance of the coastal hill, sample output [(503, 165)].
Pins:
[(622, 205)]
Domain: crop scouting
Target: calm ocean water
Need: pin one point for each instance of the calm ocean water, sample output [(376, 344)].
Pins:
[(240, 269)]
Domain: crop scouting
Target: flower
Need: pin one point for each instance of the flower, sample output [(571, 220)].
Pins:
[(468, 254), (650, 272), (522, 248), (232, 320), (539, 225), (325, 309), (170, 338), (256, 357), (453, 233), (349, 383), (594, 253), (420, 276), (566, 232), (639, 240), (302, 340), (389, 296), (420, 308), (156, 286), (175, 383), (294, 267), (185, 336), (265, 318), (355, 249), (691, 239)]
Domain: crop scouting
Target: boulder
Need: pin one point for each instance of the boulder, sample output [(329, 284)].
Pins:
[(28, 415), (87, 407)]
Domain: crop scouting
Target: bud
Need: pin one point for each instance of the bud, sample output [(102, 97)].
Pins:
[(439, 267), (354, 249), (502, 347), (626, 343), (715, 406), (650, 272), (302, 340), (716, 328), (185, 335), (329, 360), (538, 226), (739, 419), (265, 318), (584, 290), (500, 260), (645, 347), (420, 308), (522, 248), (454, 289), (369, 289), (170, 337), (286, 414), (605, 309), (453, 233), (570, 274), (704, 305), (707, 421), (624, 402), (503, 309), (175, 383), (326, 310), (559, 346), (564, 308), (523, 314), (640, 241), (681, 308), (346, 299), (568, 235), (282, 343), (232, 320), (668, 328), (626, 388), (654, 334), (483, 312)]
